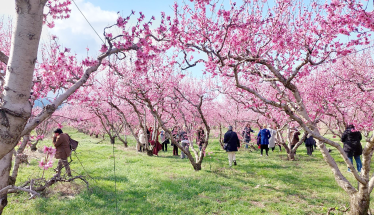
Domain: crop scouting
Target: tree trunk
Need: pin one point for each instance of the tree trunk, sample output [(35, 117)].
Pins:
[(124, 141), (360, 201), (196, 166), (291, 155), (5, 166), (18, 161), (16, 107)]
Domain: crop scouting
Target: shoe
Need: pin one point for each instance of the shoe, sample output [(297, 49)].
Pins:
[(234, 163), (267, 155), (261, 155)]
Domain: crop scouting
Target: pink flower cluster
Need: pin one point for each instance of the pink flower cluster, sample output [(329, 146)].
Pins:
[(47, 162), (49, 150), (43, 164)]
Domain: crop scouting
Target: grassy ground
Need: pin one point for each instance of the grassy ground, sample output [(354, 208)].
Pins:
[(169, 185)]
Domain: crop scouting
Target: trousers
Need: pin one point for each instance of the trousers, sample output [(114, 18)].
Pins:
[(231, 157)]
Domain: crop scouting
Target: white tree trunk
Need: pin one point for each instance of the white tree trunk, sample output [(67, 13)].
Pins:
[(5, 165), (16, 108)]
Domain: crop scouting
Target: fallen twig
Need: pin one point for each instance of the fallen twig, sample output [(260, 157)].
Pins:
[(343, 209), (5, 190)]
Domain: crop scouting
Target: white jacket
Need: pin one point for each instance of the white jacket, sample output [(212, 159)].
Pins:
[(142, 138), (273, 133)]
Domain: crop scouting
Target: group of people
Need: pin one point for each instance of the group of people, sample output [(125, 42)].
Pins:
[(180, 136), (266, 140)]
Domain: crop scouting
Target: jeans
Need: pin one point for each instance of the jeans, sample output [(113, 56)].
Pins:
[(358, 163), (246, 144)]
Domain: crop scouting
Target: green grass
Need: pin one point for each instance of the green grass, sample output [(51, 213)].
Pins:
[(169, 185)]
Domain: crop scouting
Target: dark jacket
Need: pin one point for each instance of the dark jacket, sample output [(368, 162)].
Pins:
[(247, 133), (200, 137), (259, 139), (62, 144), (265, 136), (352, 145), (232, 140), (310, 141), (183, 135), (295, 138)]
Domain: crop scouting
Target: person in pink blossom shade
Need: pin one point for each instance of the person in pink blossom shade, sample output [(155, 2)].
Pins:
[(352, 146), (62, 143)]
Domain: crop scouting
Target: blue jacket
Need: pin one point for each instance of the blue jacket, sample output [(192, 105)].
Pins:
[(232, 140), (265, 136)]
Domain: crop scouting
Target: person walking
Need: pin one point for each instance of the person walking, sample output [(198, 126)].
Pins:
[(265, 136), (272, 138), (62, 143), (142, 140), (232, 141), (164, 137), (352, 146), (247, 135), (200, 137), (309, 143), (175, 134), (295, 138), (184, 141)]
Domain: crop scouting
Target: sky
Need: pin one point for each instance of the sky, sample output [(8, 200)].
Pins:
[(75, 32)]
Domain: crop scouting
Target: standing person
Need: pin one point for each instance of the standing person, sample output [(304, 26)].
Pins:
[(149, 134), (175, 134), (352, 146), (265, 136), (184, 141), (233, 143), (142, 140), (156, 145), (309, 143), (200, 137), (62, 143), (295, 138), (272, 138), (247, 135), (164, 141)]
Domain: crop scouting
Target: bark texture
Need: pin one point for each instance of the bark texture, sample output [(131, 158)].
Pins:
[(15, 109), (360, 201), (5, 165)]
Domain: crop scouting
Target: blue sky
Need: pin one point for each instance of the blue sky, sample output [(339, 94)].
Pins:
[(76, 34)]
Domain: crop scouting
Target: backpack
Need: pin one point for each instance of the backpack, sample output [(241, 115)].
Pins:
[(73, 144)]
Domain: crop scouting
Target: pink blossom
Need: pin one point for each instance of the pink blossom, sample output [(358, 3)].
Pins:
[(104, 48), (49, 150), (45, 165)]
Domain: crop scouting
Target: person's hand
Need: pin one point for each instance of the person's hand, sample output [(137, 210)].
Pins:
[(56, 134)]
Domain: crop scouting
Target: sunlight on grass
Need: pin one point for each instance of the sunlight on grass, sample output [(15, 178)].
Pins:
[(169, 185)]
